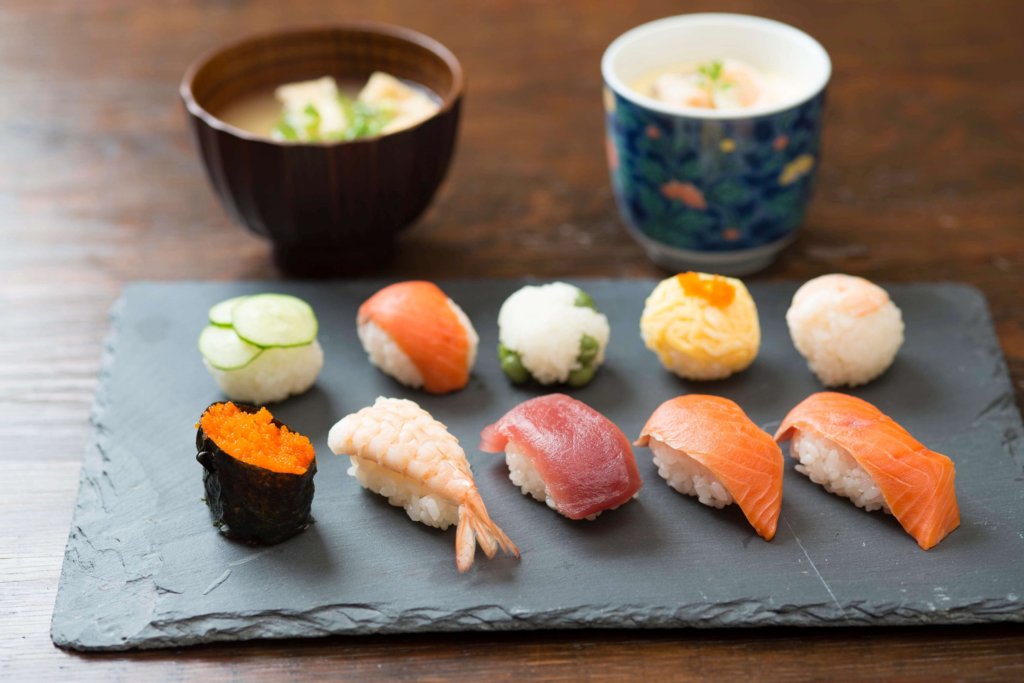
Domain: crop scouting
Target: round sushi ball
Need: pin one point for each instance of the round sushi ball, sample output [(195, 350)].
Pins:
[(846, 327), (416, 334), (262, 348), (551, 333), (701, 326), (273, 375)]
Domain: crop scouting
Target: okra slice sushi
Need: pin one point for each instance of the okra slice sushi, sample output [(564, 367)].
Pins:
[(262, 348), (258, 474), (552, 334)]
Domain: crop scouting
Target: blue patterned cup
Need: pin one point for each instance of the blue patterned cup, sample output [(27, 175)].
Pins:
[(708, 189)]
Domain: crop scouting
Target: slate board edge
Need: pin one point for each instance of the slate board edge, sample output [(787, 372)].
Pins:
[(368, 619)]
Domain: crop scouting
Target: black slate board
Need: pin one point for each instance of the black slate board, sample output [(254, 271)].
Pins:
[(144, 567)]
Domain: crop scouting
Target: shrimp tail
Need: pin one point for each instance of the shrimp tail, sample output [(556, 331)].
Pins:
[(476, 527)]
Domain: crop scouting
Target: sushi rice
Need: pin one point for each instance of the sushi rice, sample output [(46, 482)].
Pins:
[(385, 354), (544, 325), (274, 375), (847, 328), (689, 477), (830, 465), (404, 492)]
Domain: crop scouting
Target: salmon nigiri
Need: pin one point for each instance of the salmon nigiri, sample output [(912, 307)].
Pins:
[(415, 333), (706, 446), (854, 450), (566, 454), (401, 452)]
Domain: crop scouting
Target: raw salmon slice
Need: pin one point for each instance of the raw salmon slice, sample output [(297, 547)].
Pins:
[(916, 483), (706, 446)]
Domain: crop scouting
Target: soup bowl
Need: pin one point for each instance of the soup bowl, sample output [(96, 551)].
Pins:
[(714, 189), (328, 208)]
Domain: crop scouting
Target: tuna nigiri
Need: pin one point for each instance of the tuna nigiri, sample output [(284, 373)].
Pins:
[(399, 451), (854, 450), (419, 336), (566, 454), (706, 446)]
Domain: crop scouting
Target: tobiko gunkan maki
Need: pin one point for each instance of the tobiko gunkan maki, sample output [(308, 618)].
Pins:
[(258, 474)]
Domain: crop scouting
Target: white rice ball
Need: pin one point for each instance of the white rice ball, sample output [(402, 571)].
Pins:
[(274, 375), (689, 477), (847, 328), (830, 465), (544, 326)]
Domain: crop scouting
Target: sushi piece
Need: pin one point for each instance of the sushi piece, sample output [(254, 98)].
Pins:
[(852, 449), (399, 451), (846, 327), (258, 474), (551, 333), (262, 348), (706, 446), (701, 326), (566, 454), (416, 334)]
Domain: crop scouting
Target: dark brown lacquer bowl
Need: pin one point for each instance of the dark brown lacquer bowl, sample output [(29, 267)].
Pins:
[(330, 208)]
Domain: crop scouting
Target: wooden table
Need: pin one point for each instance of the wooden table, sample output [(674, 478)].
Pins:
[(923, 179)]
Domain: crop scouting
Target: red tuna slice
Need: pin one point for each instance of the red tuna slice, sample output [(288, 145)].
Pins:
[(586, 461)]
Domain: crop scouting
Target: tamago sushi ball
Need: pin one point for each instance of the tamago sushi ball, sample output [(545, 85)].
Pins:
[(847, 328), (551, 333), (701, 326)]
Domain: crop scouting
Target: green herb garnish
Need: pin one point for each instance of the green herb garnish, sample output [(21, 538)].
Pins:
[(361, 120), (712, 77)]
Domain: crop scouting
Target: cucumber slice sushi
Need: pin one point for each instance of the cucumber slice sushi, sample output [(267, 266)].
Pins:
[(225, 350), (274, 320), (220, 314), (262, 348)]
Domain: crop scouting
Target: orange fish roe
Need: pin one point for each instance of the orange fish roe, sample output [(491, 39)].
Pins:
[(714, 289), (253, 438)]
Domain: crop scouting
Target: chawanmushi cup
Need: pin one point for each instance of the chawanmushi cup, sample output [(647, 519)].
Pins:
[(705, 189)]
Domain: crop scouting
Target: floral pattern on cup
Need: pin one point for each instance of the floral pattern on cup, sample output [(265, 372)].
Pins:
[(713, 184)]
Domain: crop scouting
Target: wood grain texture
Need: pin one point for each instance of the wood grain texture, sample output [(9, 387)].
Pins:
[(921, 180)]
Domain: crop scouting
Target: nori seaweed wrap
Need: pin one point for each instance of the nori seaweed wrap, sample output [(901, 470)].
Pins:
[(250, 502)]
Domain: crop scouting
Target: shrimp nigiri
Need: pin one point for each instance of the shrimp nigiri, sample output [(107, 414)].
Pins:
[(854, 450), (399, 451), (413, 332), (706, 446)]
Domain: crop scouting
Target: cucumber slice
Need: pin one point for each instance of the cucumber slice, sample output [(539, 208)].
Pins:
[(220, 314), (225, 350), (274, 320)]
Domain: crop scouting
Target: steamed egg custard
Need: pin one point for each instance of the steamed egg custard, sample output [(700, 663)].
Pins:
[(322, 110), (726, 84)]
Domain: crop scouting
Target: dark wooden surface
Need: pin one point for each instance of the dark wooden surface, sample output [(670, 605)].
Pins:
[(923, 179)]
